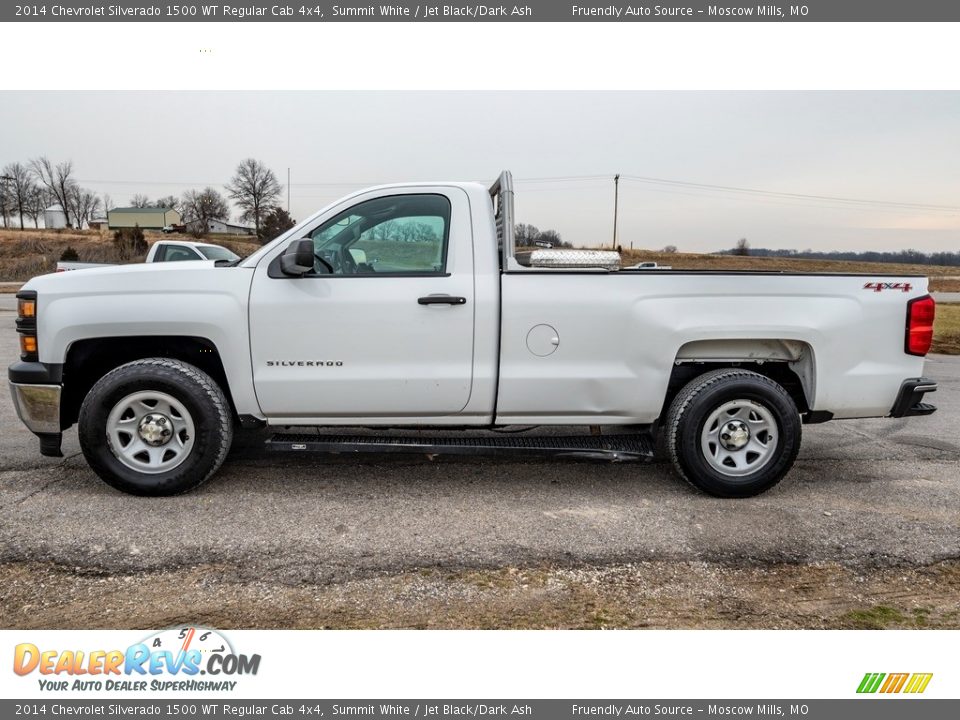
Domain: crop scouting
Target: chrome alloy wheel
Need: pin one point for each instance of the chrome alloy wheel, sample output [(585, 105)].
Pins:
[(150, 432), (739, 438)]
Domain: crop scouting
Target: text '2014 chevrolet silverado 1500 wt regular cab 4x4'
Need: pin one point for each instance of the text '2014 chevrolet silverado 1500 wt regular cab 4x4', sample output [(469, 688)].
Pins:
[(408, 307)]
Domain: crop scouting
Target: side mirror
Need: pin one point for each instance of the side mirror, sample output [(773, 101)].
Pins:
[(297, 260)]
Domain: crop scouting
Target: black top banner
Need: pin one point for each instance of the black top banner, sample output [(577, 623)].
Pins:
[(531, 11)]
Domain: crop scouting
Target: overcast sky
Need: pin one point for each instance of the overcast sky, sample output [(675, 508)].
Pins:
[(897, 147)]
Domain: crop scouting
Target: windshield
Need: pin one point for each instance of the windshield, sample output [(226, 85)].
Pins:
[(215, 252)]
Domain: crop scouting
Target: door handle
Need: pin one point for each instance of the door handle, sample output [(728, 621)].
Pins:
[(442, 300)]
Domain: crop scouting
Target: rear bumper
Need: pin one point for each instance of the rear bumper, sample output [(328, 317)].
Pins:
[(910, 398)]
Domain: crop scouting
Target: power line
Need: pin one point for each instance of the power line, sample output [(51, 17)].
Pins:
[(783, 202), (800, 196), (328, 184), (771, 199), (562, 178), (195, 183), (646, 180)]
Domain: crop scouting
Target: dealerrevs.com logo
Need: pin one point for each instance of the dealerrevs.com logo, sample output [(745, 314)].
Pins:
[(173, 659), (910, 683)]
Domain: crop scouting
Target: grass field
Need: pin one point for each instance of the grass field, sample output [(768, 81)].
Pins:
[(946, 329), (943, 278), (945, 284), (24, 254)]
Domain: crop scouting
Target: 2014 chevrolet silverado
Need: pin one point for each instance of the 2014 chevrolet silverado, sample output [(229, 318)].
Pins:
[(409, 307)]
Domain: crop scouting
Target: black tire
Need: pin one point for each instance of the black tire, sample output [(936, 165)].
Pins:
[(193, 390), (704, 396)]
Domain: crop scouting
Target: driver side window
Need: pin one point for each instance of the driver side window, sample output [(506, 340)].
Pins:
[(395, 235)]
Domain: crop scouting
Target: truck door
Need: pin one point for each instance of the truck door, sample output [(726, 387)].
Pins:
[(383, 326)]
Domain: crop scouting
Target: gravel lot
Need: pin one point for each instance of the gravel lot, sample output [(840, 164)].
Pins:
[(865, 532)]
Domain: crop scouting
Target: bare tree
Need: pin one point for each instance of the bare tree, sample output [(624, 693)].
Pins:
[(84, 204), (199, 208), (525, 234), (255, 189), (37, 201), (6, 201), (742, 248), (174, 203), (552, 237), (140, 201), (57, 179), (20, 182), (107, 203)]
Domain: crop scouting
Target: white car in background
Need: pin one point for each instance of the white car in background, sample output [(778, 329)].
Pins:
[(178, 250), (167, 251)]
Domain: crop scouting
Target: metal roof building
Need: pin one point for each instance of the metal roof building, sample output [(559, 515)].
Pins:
[(148, 218)]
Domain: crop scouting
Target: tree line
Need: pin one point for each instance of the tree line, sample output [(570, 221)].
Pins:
[(909, 256), (28, 189), (527, 235)]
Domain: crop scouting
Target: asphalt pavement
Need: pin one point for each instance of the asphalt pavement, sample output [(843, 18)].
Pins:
[(870, 493)]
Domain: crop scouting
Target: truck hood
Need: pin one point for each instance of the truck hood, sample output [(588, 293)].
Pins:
[(123, 278), (194, 299)]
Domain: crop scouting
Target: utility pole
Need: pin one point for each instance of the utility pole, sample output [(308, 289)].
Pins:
[(616, 199)]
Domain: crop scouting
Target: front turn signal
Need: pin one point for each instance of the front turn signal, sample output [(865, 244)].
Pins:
[(28, 346), (26, 308)]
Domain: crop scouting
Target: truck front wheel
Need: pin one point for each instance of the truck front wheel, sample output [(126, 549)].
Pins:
[(732, 433), (155, 427)]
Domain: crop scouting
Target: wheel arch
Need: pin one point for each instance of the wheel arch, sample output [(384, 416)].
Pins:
[(90, 359), (791, 363)]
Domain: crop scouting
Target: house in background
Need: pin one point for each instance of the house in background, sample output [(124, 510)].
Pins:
[(54, 218), (148, 218), (222, 228)]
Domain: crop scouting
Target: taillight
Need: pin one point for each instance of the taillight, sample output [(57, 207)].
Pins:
[(27, 325), (920, 314)]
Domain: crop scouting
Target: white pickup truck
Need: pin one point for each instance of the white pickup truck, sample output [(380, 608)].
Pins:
[(166, 251), (403, 310)]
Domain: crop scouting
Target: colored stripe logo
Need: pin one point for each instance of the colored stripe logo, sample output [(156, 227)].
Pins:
[(912, 683)]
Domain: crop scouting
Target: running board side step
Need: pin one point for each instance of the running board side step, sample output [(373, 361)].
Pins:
[(616, 448)]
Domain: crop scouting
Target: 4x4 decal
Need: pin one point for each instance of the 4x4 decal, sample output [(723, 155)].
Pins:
[(881, 286)]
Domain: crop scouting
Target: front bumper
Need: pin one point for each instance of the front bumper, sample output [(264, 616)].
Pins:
[(36, 392), (38, 406), (909, 399)]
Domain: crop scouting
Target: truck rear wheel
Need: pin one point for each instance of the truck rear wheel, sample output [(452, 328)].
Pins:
[(732, 433), (155, 427)]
